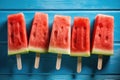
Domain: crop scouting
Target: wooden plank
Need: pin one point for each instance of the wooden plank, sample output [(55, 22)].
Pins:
[(30, 14), (59, 4), (59, 77), (8, 64)]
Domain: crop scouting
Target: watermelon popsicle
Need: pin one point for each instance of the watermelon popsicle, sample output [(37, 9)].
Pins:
[(60, 37), (39, 36), (17, 36), (80, 39), (102, 41)]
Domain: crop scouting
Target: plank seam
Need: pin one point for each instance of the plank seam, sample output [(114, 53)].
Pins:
[(59, 9)]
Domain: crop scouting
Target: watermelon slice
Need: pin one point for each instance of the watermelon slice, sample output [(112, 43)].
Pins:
[(39, 36), (102, 41), (17, 37), (80, 41), (60, 37)]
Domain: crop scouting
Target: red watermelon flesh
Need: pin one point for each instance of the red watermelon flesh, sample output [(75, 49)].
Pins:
[(102, 41), (60, 36), (17, 37), (39, 36), (80, 41)]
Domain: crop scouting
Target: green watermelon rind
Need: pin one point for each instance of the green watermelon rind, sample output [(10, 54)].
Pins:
[(20, 51), (37, 50), (59, 50), (102, 52), (82, 54)]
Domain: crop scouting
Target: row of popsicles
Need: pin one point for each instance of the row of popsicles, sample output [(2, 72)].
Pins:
[(73, 41)]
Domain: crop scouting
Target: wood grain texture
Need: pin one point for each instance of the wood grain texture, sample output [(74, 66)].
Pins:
[(59, 77), (59, 4)]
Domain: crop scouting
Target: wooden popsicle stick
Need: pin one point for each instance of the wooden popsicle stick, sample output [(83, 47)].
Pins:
[(79, 64), (99, 66), (37, 61), (19, 63), (58, 62)]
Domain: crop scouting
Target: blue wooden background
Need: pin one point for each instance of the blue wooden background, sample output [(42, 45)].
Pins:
[(47, 71)]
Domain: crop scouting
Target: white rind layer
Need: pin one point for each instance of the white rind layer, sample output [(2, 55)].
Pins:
[(102, 52), (20, 51), (38, 50), (82, 54), (59, 50)]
